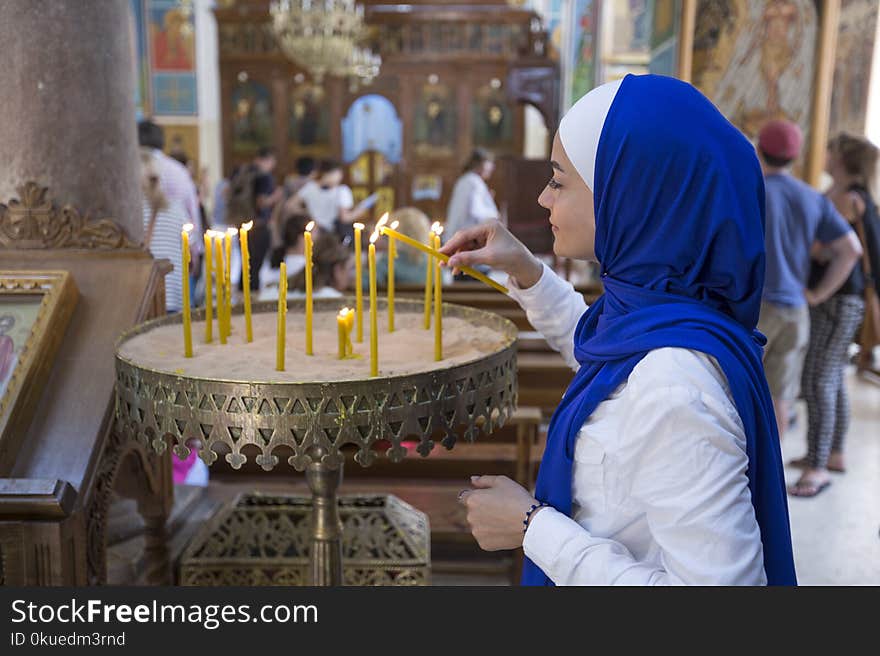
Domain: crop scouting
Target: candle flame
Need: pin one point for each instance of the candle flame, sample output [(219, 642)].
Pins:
[(394, 225), (231, 231), (344, 312), (439, 230), (435, 226), (309, 226), (383, 220), (187, 227), (358, 226), (247, 226), (374, 237)]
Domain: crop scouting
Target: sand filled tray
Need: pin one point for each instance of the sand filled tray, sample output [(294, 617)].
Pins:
[(409, 349), (233, 401)]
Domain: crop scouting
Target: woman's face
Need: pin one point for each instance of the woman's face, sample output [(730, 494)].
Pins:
[(570, 202)]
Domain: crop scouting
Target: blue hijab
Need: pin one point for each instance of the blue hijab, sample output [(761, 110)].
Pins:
[(679, 204)]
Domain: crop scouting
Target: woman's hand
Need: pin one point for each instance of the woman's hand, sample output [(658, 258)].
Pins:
[(496, 510), (492, 244)]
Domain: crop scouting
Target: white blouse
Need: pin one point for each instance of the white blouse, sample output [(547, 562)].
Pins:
[(659, 487)]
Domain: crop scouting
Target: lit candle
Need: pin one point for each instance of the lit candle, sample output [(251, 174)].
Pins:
[(282, 318), (358, 283), (429, 277), (230, 233), (342, 330), (221, 281), (392, 254), (184, 273), (308, 240), (374, 332), (209, 302), (246, 278), (438, 301)]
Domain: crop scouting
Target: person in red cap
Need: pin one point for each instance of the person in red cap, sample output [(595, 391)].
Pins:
[(796, 217)]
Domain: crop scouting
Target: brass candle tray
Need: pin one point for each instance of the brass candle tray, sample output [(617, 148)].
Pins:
[(311, 422)]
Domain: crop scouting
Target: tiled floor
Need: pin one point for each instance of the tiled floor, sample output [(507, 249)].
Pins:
[(836, 535)]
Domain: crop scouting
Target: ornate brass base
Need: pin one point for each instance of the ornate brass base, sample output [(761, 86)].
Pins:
[(266, 540)]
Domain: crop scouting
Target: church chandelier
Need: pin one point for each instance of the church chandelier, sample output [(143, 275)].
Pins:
[(325, 37)]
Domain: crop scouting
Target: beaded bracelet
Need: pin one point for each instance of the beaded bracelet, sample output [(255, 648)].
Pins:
[(534, 507)]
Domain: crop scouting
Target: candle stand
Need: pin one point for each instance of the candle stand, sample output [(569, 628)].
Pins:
[(313, 424)]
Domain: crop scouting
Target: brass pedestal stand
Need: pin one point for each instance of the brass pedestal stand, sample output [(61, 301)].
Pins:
[(316, 420)]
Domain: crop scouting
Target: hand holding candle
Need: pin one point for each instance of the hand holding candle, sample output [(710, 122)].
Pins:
[(187, 322), (358, 283), (433, 252), (246, 278)]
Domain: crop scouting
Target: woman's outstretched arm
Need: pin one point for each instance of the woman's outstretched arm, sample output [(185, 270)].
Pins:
[(552, 305)]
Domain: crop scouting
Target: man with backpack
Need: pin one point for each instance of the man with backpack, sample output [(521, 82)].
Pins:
[(252, 195)]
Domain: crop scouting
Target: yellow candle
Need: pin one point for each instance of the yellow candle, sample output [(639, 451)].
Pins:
[(308, 253), (473, 273), (221, 281), (438, 303), (184, 273), (349, 323), (209, 302), (392, 255), (282, 318), (246, 278), (374, 332), (429, 277), (342, 330), (358, 283), (230, 232)]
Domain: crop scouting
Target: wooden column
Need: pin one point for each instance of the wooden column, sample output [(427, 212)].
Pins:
[(829, 20)]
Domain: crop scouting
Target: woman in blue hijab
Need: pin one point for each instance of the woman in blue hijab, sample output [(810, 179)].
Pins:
[(662, 463)]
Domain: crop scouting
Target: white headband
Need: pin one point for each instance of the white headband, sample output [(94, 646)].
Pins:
[(581, 127)]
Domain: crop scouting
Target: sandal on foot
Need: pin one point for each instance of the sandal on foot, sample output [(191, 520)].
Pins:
[(803, 463), (807, 488)]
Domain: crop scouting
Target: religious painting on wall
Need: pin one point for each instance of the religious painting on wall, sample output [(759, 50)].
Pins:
[(434, 124), (427, 187), (755, 60), (852, 69), (172, 37), (583, 77), (664, 37), (308, 121), (492, 118), (625, 36), (171, 42), (35, 307), (17, 318), (251, 116), (182, 141), (138, 42)]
